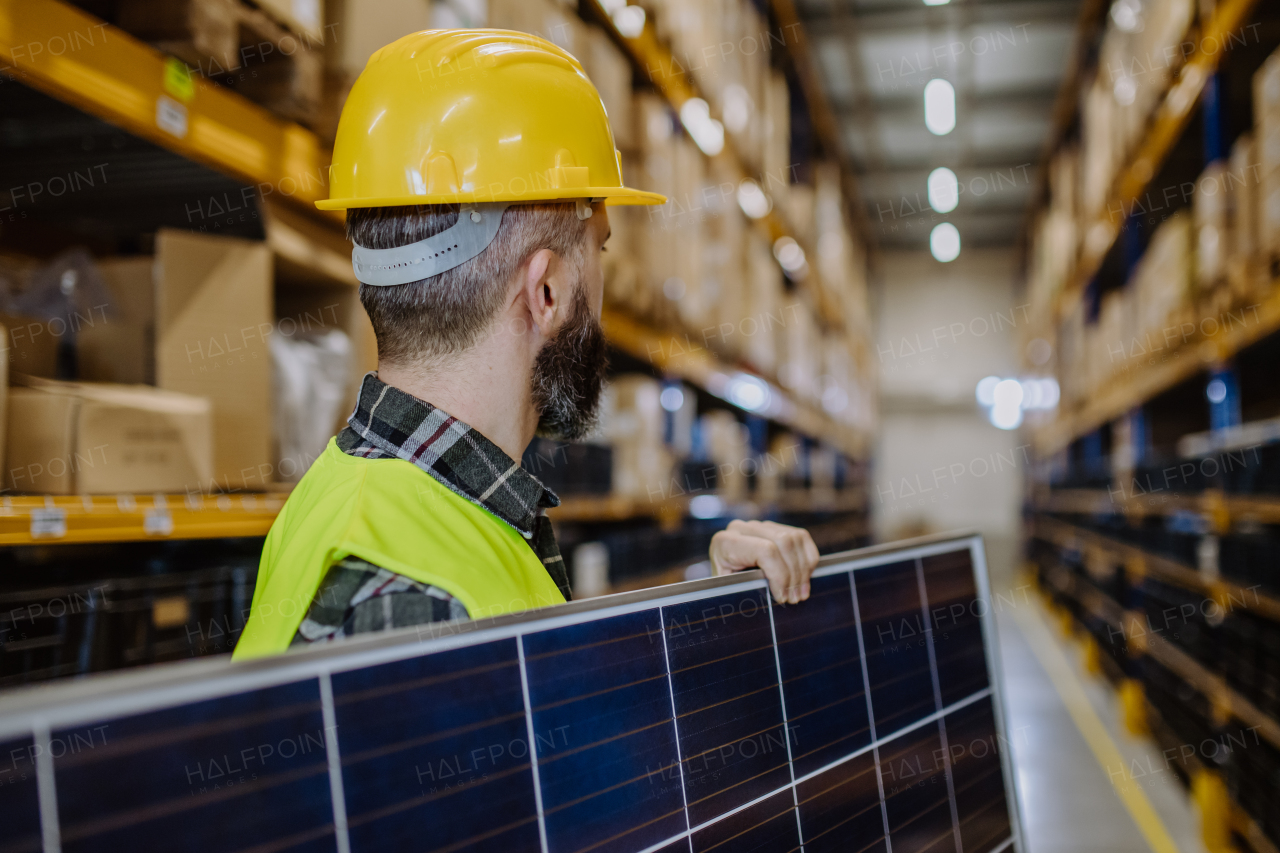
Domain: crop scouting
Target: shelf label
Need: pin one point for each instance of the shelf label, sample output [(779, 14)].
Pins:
[(171, 116), (177, 80), (157, 522), (48, 523)]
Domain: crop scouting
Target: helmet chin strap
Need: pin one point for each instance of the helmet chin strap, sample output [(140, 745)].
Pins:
[(475, 229)]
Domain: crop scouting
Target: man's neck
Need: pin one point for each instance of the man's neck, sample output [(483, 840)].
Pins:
[(487, 387)]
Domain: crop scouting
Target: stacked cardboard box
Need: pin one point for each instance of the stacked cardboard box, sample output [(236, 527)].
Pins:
[(1266, 112), (632, 421), (1212, 229), (1162, 281), (1243, 193), (79, 438)]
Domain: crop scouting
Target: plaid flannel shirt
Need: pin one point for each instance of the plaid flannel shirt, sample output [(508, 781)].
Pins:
[(358, 597)]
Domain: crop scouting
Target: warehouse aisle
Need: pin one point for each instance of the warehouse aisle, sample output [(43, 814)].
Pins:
[(1071, 802)]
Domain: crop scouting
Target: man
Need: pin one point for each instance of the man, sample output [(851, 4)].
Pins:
[(474, 166)]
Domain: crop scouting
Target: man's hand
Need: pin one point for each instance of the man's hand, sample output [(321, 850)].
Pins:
[(786, 554)]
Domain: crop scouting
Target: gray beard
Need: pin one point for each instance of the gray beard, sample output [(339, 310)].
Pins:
[(568, 375)]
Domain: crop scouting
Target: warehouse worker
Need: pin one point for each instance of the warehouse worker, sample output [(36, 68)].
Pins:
[(474, 166)]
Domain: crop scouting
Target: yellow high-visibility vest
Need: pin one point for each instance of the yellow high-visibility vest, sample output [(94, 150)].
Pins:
[(397, 516)]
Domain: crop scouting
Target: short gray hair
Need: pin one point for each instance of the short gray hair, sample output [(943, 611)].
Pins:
[(446, 314)]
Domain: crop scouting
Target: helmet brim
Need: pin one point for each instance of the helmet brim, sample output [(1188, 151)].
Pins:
[(613, 196)]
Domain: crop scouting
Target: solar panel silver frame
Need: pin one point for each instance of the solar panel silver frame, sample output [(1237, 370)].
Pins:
[(36, 711)]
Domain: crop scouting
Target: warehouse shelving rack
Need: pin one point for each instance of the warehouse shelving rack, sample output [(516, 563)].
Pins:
[(1170, 119), (60, 50), (1107, 557), (1174, 362), (1080, 599)]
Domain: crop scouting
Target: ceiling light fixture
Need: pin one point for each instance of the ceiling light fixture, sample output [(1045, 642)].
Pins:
[(630, 21), (939, 107), (752, 200), (737, 108), (706, 132), (944, 242), (944, 190)]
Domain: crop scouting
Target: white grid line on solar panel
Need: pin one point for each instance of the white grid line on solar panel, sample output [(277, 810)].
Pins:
[(46, 789), (213, 679), (675, 726), (533, 745), (334, 756), (1005, 845), (786, 725), (871, 713), (905, 730), (937, 701)]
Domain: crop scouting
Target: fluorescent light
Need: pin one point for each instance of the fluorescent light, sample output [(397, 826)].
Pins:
[(1006, 409), (936, 2), (986, 390), (1127, 15), (939, 107), (737, 108), (706, 506), (748, 392), (706, 132), (1125, 91), (752, 200), (789, 254), (672, 398), (630, 21), (944, 190), (944, 242)]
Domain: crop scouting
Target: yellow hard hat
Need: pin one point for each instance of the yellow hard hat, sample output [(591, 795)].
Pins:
[(474, 117)]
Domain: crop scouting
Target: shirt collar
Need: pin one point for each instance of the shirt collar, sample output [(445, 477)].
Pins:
[(455, 454)]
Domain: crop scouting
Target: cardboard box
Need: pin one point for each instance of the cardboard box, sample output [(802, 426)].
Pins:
[(632, 420), (1243, 192), (610, 71), (213, 321), (305, 17), (1266, 113), (543, 18), (119, 345), (79, 438), (1213, 237)]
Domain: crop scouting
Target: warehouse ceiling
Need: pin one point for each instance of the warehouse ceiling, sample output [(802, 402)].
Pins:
[(1006, 61)]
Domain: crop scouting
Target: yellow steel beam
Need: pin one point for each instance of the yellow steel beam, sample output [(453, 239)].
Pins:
[(128, 518), (72, 56)]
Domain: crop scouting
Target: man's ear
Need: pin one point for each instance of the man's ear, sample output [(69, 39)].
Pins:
[(540, 291)]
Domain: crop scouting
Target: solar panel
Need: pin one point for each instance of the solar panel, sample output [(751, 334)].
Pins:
[(694, 718)]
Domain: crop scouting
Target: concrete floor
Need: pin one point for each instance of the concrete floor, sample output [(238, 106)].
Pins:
[(1071, 802)]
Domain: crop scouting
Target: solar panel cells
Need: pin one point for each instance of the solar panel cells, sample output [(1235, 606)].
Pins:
[(954, 614), (822, 675), (19, 800), (246, 769), (974, 748), (724, 677), (768, 826), (914, 773), (705, 720), (893, 634), (435, 752), (606, 742), (840, 808)]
